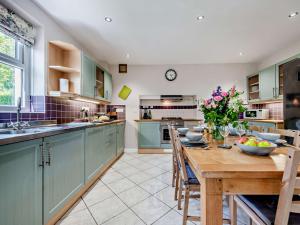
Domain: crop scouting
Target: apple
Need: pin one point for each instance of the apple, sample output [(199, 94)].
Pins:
[(251, 142), (243, 140), (264, 144)]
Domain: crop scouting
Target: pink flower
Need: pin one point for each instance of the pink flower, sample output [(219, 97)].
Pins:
[(218, 98), (224, 93), (232, 90)]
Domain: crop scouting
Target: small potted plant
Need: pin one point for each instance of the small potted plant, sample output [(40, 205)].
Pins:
[(221, 109)]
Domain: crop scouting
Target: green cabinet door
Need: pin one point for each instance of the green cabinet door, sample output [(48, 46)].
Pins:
[(110, 149), (108, 86), (21, 184), (88, 77), (267, 82), (120, 138), (149, 135), (63, 171), (94, 150)]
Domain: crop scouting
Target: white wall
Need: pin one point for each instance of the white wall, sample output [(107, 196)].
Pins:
[(48, 30), (192, 80), (282, 54)]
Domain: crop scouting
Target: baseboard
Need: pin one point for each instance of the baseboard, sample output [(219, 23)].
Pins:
[(131, 150), (154, 151)]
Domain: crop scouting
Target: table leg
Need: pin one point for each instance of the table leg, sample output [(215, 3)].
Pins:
[(211, 201)]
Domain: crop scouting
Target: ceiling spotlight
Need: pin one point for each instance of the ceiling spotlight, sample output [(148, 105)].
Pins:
[(127, 56), (241, 54), (200, 17), (108, 19), (293, 14)]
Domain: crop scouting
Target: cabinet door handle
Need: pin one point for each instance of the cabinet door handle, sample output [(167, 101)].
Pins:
[(274, 93), (42, 154), (48, 162)]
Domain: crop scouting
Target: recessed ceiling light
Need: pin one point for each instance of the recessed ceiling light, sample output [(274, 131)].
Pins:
[(200, 17), (241, 54), (293, 14), (108, 19), (127, 56)]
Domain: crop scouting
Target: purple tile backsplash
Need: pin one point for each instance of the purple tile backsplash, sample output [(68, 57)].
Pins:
[(52, 108)]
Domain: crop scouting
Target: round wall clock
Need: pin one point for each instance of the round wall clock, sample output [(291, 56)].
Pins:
[(170, 75)]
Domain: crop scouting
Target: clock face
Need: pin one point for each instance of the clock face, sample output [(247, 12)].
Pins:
[(171, 75)]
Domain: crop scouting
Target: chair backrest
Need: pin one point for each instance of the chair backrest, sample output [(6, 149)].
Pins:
[(171, 133), (288, 133), (290, 182), (180, 156), (256, 128)]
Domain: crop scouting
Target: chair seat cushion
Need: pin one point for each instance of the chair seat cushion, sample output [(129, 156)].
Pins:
[(264, 206), (192, 179)]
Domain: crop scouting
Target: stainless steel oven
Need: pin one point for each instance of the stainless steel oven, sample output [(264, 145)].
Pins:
[(164, 130)]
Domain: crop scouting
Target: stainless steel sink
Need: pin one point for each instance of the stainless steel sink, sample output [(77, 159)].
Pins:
[(13, 131), (29, 130)]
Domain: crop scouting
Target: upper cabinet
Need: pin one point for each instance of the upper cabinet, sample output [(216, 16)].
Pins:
[(267, 83), (107, 86), (88, 77), (253, 87), (69, 66)]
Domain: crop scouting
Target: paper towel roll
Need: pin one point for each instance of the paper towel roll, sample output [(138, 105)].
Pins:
[(64, 85)]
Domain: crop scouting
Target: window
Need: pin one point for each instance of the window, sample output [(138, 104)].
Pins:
[(15, 65)]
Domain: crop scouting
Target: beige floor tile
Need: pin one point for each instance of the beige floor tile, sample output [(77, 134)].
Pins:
[(150, 209), (171, 218), (139, 177), (97, 194), (82, 217), (167, 196), (107, 209), (111, 177), (153, 186), (121, 185), (133, 196), (125, 218)]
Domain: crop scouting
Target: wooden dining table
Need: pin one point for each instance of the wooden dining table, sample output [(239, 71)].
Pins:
[(230, 172)]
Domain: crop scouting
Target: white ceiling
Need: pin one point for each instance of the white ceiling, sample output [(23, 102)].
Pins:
[(167, 32)]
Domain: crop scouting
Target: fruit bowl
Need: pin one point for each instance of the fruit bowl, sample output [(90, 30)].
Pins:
[(255, 147), (193, 136)]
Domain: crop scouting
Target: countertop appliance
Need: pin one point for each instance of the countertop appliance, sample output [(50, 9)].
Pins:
[(259, 114), (164, 130), (291, 94)]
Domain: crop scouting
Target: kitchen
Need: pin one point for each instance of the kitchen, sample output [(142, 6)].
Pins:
[(88, 94)]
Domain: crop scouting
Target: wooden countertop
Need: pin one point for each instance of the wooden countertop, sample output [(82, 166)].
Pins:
[(158, 120), (265, 121)]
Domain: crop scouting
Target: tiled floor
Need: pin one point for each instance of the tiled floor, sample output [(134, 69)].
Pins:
[(135, 191)]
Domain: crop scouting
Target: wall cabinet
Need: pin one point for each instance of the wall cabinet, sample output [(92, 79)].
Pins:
[(108, 86), (63, 170), (88, 77), (94, 150), (21, 183), (149, 135), (267, 83)]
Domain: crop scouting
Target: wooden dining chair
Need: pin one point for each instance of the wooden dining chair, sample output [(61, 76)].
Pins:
[(175, 167), (188, 182), (295, 134), (278, 210)]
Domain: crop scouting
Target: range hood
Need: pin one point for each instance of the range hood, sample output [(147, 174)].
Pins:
[(171, 98)]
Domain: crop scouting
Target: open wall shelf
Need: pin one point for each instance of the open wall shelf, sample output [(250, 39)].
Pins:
[(64, 61)]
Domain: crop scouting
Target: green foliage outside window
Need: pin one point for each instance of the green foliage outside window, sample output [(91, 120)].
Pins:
[(7, 79)]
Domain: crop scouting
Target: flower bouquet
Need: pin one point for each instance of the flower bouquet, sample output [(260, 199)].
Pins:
[(222, 109)]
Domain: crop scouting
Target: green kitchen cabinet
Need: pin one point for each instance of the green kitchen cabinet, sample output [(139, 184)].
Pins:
[(149, 135), (110, 145), (63, 170), (108, 86), (120, 138), (21, 183), (94, 151), (88, 77), (267, 83)]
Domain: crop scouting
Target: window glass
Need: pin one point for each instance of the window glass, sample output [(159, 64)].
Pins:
[(7, 45), (10, 84)]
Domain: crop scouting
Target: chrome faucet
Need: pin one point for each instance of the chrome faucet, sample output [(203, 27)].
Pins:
[(19, 125)]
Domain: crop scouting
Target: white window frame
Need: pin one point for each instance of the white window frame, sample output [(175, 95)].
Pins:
[(23, 60)]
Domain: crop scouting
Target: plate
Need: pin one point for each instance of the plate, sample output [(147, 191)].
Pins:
[(186, 140), (280, 141)]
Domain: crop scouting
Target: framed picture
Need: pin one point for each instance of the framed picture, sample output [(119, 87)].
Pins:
[(122, 68)]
